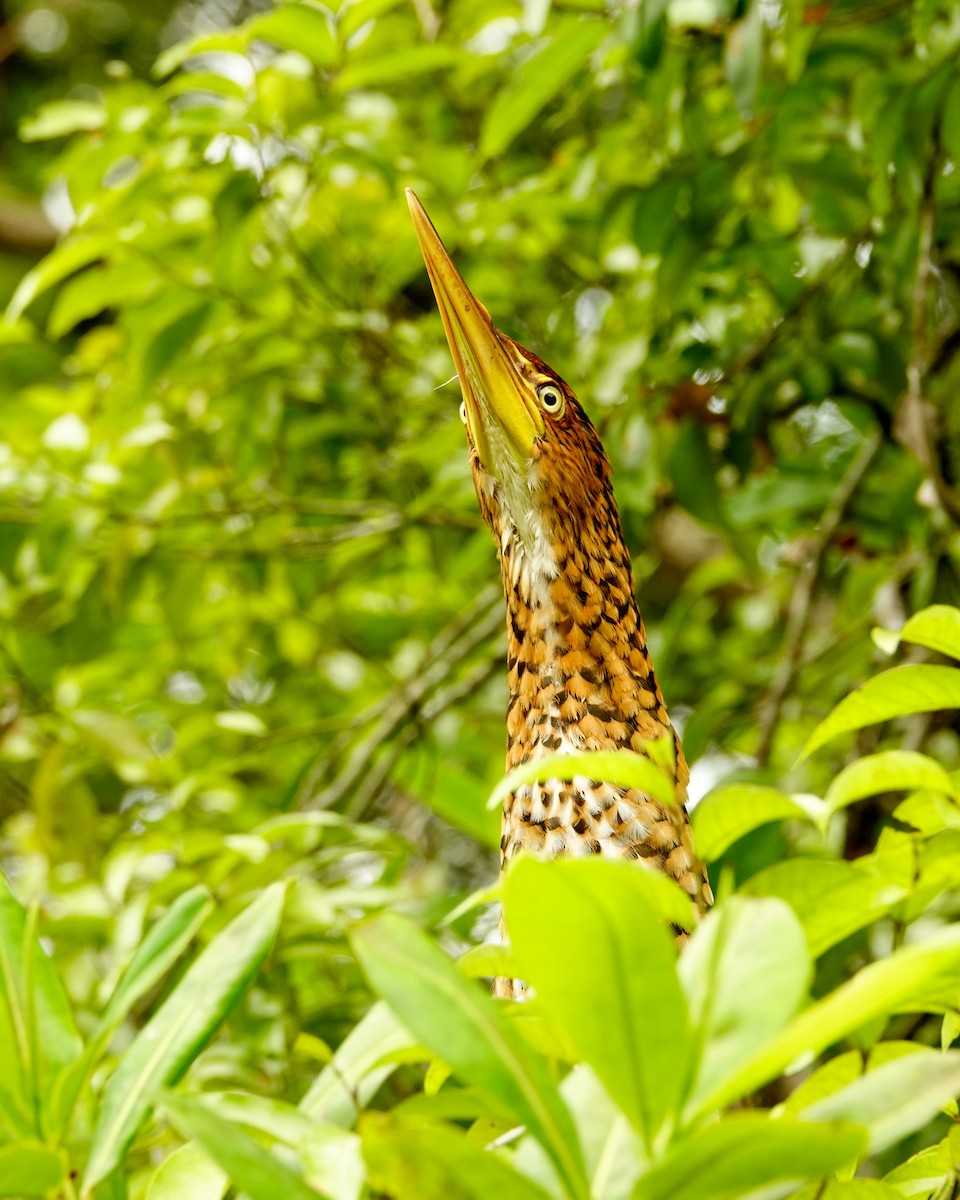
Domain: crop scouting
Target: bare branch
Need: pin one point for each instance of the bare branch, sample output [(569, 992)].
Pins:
[(801, 601)]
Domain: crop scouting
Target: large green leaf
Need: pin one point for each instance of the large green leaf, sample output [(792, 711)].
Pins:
[(162, 946), (612, 1148), (899, 692), (177, 1032), (536, 81), (936, 627), (729, 812), (29, 1168), (743, 1152), (38, 1038), (745, 972), (462, 1025), (189, 1173), (604, 951), (895, 1099), (623, 768), (418, 1161), (888, 771), (299, 27), (69, 256), (359, 1067), (253, 1169), (919, 977), (832, 899)]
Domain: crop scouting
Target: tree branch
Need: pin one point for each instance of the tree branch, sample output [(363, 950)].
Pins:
[(801, 601)]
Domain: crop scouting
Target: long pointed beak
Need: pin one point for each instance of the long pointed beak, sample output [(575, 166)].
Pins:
[(500, 406)]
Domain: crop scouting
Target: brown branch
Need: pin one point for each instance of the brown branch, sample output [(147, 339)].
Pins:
[(801, 601), (445, 698), (452, 646), (914, 425)]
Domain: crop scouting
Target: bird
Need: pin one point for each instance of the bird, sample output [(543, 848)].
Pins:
[(579, 669)]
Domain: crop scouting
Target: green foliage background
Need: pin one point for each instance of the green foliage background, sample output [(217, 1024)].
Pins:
[(251, 626)]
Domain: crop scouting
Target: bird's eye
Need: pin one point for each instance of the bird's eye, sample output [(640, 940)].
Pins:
[(550, 397), (463, 411)]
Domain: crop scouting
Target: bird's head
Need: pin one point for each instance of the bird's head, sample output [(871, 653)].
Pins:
[(541, 474)]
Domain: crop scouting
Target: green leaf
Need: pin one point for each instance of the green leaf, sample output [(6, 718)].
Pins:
[(60, 117), (358, 1068), (177, 1032), (252, 1169), (888, 771), (745, 1151), (743, 56), (333, 1162), (189, 1173), (229, 42), (924, 1174), (78, 251), (914, 978), (724, 815), (406, 63), (463, 1025), (849, 1189), (622, 768), (745, 971), (38, 1038), (29, 1168), (536, 81), (429, 1161), (832, 899), (936, 627), (895, 1099), (899, 692), (623, 975), (158, 951), (299, 27), (612, 1148), (277, 1119)]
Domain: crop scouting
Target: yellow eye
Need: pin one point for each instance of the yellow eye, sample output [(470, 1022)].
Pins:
[(463, 411), (550, 397)]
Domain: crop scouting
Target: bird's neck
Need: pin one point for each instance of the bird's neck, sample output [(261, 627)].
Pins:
[(579, 670)]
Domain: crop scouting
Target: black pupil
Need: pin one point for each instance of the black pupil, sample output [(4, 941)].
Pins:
[(550, 398)]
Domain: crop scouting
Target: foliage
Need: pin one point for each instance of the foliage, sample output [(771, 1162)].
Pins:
[(607, 1084), (251, 632)]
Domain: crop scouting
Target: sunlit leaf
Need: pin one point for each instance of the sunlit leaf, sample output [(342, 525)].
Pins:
[(936, 627), (61, 117), (453, 1017), (899, 692), (261, 1174), (623, 768), (729, 812), (535, 83), (832, 899), (888, 771), (435, 1162), (745, 972), (913, 978), (895, 1099), (745, 1151), (360, 1065), (606, 952), (299, 27), (189, 1173), (169, 1042)]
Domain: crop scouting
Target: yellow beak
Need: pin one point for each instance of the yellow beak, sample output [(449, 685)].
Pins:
[(500, 405)]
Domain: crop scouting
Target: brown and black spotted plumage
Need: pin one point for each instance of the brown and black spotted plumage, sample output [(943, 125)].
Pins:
[(580, 674)]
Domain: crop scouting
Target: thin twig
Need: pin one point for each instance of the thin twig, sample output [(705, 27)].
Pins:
[(914, 424), (452, 646), (801, 601)]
